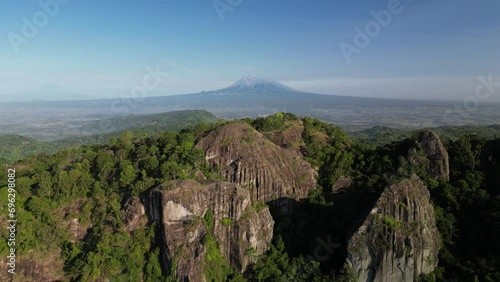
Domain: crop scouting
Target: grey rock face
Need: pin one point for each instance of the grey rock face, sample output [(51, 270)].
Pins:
[(398, 240), (246, 157), (133, 214), (430, 153), (32, 267), (342, 184), (242, 232)]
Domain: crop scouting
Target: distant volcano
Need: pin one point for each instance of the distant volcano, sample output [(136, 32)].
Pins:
[(252, 85)]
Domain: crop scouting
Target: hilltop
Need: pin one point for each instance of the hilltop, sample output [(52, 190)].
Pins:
[(268, 199)]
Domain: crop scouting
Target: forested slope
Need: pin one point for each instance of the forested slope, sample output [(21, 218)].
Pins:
[(91, 213), (15, 147)]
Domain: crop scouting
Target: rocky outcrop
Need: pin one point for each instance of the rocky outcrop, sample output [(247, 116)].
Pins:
[(77, 230), (398, 240), (182, 209), (430, 154), (133, 214), (35, 267), (290, 138), (246, 157), (342, 185)]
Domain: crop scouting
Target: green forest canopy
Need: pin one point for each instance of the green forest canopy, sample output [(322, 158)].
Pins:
[(100, 178)]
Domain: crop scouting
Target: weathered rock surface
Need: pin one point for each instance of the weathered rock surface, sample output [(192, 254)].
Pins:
[(430, 153), (246, 157), (77, 230), (398, 240), (34, 267), (133, 214), (242, 232), (289, 139), (342, 184)]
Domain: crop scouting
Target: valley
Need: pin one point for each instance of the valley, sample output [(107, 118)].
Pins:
[(248, 97)]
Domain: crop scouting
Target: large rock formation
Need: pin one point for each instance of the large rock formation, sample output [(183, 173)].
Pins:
[(133, 214), (430, 154), (290, 138), (243, 233), (246, 157), (398, 240)]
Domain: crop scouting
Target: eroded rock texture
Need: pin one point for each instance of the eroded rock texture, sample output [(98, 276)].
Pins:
[(289, 139), (342, 185), (133, 214), (243, 233), (398, 240), (430, 153), (33, 267), (246, 157)]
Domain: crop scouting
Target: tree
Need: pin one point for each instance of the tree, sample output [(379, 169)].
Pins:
[(45, 185), (153, 268), (104, 166), (127, 175)]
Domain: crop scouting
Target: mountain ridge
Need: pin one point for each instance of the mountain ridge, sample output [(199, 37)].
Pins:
[(252, 85)]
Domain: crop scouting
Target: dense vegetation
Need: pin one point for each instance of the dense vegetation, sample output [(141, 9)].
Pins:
[(93, 183), (383, 135), (172, 121), (468, 211), (15, 147)]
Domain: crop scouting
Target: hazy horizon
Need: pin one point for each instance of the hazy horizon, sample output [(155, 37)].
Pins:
[(415, 49), (322, 141), (85, 94)]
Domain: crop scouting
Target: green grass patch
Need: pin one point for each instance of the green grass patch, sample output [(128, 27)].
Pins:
[(226, 221)]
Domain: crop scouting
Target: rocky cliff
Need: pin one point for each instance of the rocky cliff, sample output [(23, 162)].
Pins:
[(430, 154), (290, 138), (246, 157), (398, 239), (185, 210)]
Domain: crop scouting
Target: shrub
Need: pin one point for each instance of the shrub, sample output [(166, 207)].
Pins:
[(226, 221)]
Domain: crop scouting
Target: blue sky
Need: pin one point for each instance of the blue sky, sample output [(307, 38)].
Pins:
[(429, 50)]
